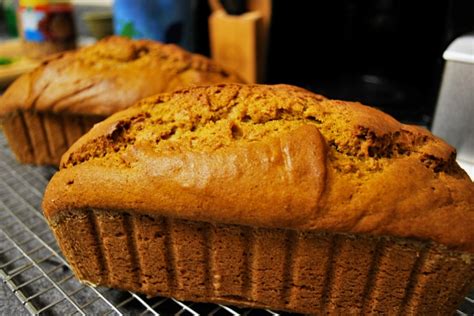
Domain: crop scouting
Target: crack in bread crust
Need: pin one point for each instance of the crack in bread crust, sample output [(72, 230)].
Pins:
[(239, 115)]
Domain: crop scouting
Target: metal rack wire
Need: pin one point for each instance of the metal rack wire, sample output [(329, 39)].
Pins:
[(32, 266)]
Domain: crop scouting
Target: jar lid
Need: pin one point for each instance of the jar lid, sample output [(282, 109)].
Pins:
[(34, 3)]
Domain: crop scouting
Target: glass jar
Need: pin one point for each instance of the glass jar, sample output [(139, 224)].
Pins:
[(46, 27)]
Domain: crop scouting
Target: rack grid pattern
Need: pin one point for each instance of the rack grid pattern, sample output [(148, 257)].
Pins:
[(32, 266)]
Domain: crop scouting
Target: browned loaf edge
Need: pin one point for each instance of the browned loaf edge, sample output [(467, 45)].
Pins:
[(94, 81), (273, 159)]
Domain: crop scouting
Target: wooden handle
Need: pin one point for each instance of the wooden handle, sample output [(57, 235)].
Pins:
[(215, 5), (234, 42), (240, 41)]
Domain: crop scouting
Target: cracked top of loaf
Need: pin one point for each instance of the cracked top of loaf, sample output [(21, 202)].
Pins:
[(109, 76), (271, 156)]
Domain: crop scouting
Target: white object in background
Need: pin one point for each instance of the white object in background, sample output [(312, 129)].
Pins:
[(454, 118), (468, 167), (461, 50)]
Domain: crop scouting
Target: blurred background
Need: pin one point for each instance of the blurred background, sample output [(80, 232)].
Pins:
[(386, 53)]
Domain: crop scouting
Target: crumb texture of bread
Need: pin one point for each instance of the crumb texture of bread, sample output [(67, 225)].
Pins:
[(269, 156)]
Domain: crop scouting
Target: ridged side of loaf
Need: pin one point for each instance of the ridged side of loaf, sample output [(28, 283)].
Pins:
[(297, 271), (42, 138)]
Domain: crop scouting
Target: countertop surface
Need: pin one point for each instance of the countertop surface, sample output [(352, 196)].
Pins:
[(9, 304)]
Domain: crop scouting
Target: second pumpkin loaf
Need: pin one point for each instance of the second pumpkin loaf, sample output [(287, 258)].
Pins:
[(45, 111)]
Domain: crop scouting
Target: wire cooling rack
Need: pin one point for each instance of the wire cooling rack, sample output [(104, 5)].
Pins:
[(33, 268)]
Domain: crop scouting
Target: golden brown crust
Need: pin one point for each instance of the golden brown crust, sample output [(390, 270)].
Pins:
[(109, 76), (291, 179), (274, 156)]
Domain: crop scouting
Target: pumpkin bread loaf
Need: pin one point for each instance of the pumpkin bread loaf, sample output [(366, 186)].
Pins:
[(47, 110), (270, 197)]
